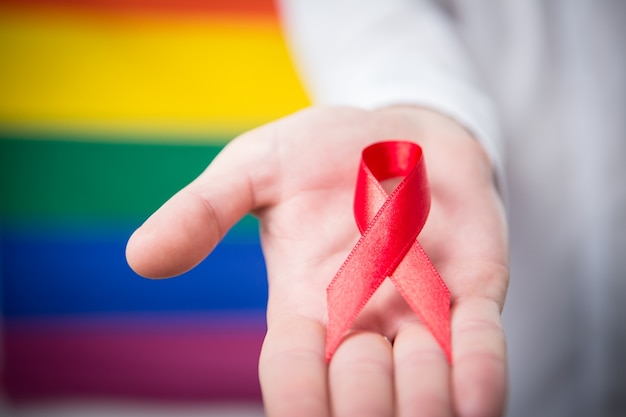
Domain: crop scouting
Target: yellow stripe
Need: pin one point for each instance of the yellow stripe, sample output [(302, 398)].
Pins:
[(145, 75)]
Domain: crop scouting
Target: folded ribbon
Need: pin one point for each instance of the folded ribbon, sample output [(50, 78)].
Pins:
[(388, 246)]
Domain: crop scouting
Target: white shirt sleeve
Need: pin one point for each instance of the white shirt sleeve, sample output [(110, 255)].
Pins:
[(377, 53)]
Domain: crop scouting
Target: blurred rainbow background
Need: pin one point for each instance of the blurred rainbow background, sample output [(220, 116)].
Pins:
[(108, 107)]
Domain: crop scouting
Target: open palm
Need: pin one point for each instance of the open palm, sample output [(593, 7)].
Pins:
[(298, 176)]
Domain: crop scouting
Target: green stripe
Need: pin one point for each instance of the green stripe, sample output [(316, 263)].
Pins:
[(53, 179)]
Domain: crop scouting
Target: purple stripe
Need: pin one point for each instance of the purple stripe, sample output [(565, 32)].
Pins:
[(170, 358)]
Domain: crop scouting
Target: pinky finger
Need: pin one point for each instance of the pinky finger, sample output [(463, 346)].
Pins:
[(480, 365)]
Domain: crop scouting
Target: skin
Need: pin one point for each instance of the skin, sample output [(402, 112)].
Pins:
[(298, 175)]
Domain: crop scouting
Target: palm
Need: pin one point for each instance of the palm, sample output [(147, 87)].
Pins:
[(300, 180)]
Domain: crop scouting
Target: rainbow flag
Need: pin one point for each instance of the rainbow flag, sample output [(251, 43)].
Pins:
[(108, 107)]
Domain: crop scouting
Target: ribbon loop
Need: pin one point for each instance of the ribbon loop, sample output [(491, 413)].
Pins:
[(388, 246)]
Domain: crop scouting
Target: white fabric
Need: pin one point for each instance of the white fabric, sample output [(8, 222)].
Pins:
[(543, 85)]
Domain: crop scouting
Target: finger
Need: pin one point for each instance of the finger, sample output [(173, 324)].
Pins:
[(479, 376), (361, 377), (422, 374), (188, 226), (292, 369)]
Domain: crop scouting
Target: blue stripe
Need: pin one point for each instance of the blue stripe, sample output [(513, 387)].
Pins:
[(56, 273)]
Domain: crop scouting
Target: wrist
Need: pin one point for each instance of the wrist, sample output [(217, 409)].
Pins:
[(441, 136), (427, 119)]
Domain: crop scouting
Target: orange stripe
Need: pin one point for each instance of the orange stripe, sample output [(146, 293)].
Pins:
[(243, 8)]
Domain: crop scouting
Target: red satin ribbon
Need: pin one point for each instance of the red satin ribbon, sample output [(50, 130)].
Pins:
[(388, 246)]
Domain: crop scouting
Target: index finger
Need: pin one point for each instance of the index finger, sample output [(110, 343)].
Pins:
[(293, 370)]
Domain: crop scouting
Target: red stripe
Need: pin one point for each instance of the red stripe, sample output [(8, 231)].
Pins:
[(170, 361), (259, 8)]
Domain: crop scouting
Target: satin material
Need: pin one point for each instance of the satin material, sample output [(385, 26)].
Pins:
[(388, 247)]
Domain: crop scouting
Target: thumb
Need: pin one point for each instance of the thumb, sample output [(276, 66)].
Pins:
[(181, 233)]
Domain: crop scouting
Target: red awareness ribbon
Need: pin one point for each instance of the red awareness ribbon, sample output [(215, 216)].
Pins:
[(388, 246)]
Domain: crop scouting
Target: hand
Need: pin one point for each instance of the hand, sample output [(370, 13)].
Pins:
[(298, 176)]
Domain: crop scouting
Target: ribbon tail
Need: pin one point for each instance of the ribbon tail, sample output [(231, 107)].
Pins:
[(346, 298), (422, 288)]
